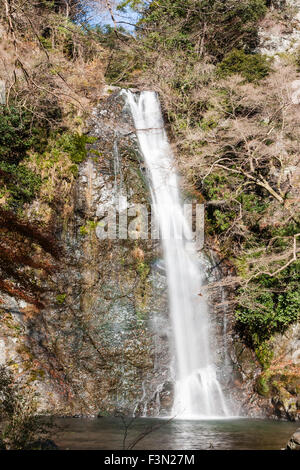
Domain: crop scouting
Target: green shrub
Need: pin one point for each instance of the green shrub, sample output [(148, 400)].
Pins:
[(251, 202), (222, 220), (16, 134), (273, 305), (60, 298), (74, 145), (90, 227), (252, 67), (143, 270), (21, 182), (214, 186), (262, 386), (264, 354)]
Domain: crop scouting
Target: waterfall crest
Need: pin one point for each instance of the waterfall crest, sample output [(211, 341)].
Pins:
[(197, 391)]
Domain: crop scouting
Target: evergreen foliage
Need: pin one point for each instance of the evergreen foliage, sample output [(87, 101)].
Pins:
[(252, 67), (274, 305), (17, 134)]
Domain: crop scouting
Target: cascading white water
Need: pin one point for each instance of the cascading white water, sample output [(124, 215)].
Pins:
[(197, 392)]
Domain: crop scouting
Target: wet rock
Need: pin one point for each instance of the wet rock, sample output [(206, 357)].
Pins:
[(286, 406), (166, 396), (42, 444), (98, 343), (294, 442)]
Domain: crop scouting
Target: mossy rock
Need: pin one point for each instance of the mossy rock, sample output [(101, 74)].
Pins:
[(293, 385), (262, 386)]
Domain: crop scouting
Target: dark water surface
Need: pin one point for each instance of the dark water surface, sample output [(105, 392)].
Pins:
[(239, 434)]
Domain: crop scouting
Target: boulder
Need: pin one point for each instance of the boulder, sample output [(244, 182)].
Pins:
[(294, 442)]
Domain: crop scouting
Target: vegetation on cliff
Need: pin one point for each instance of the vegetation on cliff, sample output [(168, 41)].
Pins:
[(52, 70), (20, 428)]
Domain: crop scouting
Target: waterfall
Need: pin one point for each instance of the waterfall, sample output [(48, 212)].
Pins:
[(198, 393)]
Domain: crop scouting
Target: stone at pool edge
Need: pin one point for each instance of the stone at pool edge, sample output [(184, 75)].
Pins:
[(42, 444), (294, 442)]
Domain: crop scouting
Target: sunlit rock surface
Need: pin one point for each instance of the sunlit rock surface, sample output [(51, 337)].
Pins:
[(100, 345), (280, 32)]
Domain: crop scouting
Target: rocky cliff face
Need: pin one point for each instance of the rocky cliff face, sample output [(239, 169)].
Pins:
[(274, 391), (279, 33), (258, 389), (100, 345)]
